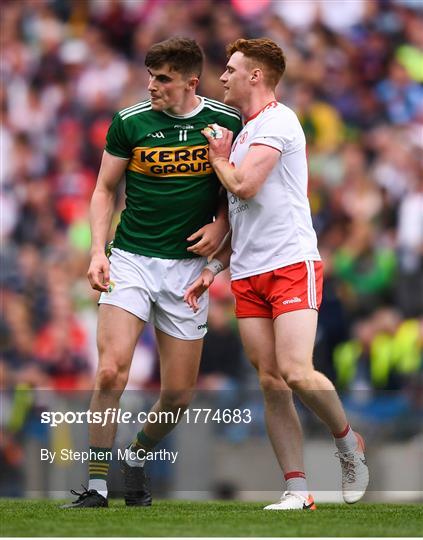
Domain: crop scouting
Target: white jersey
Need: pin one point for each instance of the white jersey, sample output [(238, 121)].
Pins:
[(274, 228)]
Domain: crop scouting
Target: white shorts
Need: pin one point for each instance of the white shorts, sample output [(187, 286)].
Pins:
[(153, 290)]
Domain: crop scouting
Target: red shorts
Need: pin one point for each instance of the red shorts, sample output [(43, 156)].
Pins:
[(291, 288)]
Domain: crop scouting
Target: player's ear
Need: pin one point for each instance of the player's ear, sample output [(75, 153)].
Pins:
[(193, 83), (256, 75)]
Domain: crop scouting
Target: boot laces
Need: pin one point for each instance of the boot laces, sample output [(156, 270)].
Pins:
[(348, 466), (81, 496)]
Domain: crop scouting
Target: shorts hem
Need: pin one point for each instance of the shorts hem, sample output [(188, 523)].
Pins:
[(290, 310), (254, 316), (125, 308), (184, 338)]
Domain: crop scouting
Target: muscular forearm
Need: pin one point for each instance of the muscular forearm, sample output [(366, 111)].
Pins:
[(101, 213), (229, 176)]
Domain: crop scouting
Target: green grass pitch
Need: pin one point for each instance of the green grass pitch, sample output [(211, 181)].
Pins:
[(186, 518)]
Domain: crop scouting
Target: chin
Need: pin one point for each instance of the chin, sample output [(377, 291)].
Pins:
[(156, 106), (227, 99)]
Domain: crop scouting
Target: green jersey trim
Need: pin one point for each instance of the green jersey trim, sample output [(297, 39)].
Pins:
[(208, 106), (132, 107), (137, 110), (221, 107)]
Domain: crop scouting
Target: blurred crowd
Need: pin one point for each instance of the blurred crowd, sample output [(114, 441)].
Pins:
[(354, 76)]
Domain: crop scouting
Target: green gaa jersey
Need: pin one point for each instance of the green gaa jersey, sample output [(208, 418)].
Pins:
[(171, 188)]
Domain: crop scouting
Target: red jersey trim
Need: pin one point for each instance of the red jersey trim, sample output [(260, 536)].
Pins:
[(268, 105)]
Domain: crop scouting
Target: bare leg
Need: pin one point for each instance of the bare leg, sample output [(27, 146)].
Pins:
[(282, 421), (295, 335), (179, 365), (117, 334)]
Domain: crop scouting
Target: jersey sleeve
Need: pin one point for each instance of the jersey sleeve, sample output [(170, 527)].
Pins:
[(117, 143), (280, 130)]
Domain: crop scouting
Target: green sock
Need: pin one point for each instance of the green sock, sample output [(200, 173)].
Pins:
[(99, 462), (144, 441)]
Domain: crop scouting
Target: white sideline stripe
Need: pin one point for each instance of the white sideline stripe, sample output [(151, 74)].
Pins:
[(136, 112), (229, 111), (137, 108), (308, 285), (141, 103), (121, 113), (140, 108), (311, 289), (221, 111), (222, 105), (223, 108)]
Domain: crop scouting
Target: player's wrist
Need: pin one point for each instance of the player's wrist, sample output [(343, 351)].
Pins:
[(215, 266), (96, 252)]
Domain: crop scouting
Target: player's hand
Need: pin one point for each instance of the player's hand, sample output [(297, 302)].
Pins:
[(218, 147), (200, 285), (209, 238), (99, 272)]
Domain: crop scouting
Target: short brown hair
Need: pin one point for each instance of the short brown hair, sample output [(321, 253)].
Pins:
[(266, 52), (183, 55)]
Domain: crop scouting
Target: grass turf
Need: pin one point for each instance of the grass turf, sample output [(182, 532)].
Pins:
[(186, 518)]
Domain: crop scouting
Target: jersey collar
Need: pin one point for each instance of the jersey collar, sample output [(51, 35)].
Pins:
[(272, 103), (190, 114)]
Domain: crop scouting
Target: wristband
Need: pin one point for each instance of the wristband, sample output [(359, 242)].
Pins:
[(214, 266)]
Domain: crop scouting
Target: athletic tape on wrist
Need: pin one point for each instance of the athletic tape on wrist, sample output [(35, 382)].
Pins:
[(215, 266)]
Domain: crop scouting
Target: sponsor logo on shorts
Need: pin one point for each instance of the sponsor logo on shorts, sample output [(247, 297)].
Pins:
[(171, 161), (294, 300), (202, 326)]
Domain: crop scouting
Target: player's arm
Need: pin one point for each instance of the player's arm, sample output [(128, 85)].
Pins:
[(210, 236), (101, 213), (246, 180), (219, 262)]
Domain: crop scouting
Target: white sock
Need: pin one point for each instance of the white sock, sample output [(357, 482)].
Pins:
[(134, 462), (347, 443), (99, 485), (297, 484)]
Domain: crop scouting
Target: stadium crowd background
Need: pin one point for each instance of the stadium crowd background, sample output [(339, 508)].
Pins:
[(354, 76)]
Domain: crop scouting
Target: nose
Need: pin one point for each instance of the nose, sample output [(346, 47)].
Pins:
[(223, 77), (151, 84)]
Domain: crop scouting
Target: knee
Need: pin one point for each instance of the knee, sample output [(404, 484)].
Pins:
[(270, 382), (298, 379), (275, 390), (111, 378), (175, 400)]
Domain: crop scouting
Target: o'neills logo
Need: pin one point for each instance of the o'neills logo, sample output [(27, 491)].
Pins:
[(171, 161)]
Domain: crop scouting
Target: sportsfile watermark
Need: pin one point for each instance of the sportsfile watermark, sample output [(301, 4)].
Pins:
[(220, 442), (122, 454), (114, 415)]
